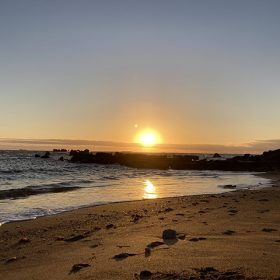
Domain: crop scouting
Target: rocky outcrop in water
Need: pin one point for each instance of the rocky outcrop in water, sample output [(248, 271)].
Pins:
[(216, 155), (268, 161), (46, 155), (133, 159)]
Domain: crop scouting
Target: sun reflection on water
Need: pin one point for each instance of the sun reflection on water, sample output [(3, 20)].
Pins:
[(149, 190)]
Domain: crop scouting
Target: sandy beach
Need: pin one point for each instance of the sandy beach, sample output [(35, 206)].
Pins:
[(235, 235)]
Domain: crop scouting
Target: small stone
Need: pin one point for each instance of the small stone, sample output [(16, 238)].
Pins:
[(181, 236), (148, 251), (145, 274), (11, 260), (24, 240), (59, 238), (169, 234), (109, 226)]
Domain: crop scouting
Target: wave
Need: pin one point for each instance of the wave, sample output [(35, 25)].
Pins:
[(35, 190), (12, 171)]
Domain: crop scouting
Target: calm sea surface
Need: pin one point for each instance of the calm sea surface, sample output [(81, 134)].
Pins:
[(32, 187)]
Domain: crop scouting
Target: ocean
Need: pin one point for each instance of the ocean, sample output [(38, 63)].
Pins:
[(31, 187)]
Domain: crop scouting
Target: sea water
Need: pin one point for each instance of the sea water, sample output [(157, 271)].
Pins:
[(32, 187)]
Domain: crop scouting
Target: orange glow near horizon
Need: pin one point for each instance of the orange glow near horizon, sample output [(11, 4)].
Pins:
[(148, 138)]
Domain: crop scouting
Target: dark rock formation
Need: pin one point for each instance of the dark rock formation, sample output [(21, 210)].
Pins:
[(268, 161), (46, 155), (229, 187), (60, 150), (216, 155)]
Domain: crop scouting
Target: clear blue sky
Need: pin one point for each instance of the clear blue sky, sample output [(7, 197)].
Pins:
[(195, 71)]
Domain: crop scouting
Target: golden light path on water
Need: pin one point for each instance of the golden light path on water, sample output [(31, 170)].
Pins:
[(149, 190)]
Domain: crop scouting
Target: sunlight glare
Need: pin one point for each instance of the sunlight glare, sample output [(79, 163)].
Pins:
[(148, 138), (149, 190)]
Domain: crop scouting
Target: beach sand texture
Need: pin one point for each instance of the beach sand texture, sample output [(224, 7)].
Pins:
[(225, 236)]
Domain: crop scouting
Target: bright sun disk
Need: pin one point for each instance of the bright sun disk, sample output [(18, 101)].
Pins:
[(148, 138)]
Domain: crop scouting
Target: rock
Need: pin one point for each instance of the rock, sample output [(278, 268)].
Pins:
[(61, 158), (37, 156), (216, 155), (145, 274), (46, 155), (268, 161), (110, 226), (229, 187), (136, 218), (24, 240), (11, 260), (60, 150), (148, 251), (169, 234), (181, 236), (59, 238)]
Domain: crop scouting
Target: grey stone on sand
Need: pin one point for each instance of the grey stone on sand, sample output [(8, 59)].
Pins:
[(169, 234)]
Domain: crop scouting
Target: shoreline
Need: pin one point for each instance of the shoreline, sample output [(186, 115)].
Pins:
[(274, 178), (236, 231)]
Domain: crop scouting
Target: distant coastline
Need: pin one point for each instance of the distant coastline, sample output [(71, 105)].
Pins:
[(254, 147)]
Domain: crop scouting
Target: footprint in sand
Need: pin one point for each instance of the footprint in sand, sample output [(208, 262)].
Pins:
[(123, 256), (263, 211), (269, 229), (77, 267), (229, 232), (155, 244), (75, 238), (180, 214), (232, 212), (196, 239)]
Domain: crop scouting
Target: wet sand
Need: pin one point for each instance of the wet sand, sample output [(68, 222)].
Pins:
[(234, 235)]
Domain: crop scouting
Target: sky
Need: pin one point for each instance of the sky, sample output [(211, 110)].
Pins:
[(200, 73)]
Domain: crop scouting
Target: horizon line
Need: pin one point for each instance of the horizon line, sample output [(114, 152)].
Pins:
[(255, 146)]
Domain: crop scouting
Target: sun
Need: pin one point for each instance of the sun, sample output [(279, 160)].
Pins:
[(148, 138)]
